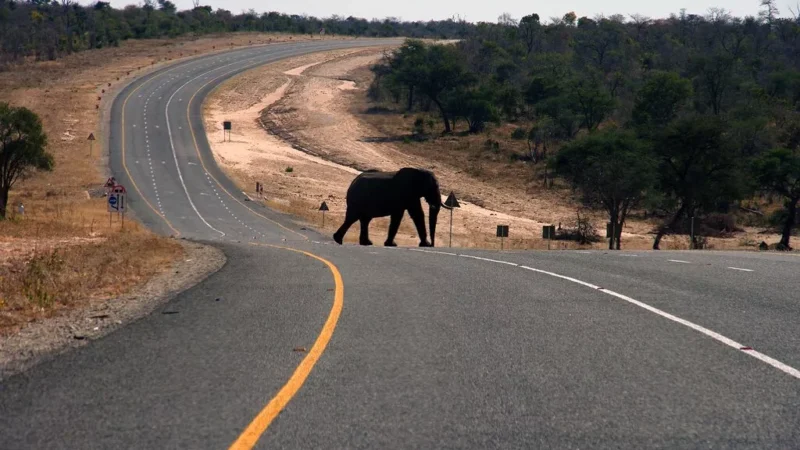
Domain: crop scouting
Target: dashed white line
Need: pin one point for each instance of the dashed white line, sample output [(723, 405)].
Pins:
[(178, 168), (678, 261), (739, 268)]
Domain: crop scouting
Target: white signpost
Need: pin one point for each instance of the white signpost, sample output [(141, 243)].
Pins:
[(117, 203)]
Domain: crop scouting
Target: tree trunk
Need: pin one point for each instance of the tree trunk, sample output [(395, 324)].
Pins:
[(618, 229), (663, 229), (3, 202), (444, 116), (614, 214), (789, 224), (410, 97)]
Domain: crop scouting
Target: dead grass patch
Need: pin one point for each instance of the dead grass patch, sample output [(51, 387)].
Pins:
[(48, 276)]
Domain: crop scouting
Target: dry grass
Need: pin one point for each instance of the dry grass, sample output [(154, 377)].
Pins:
[(50, 275), (59, 254)]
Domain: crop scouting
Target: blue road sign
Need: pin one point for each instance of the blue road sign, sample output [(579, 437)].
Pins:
[(112, 203)]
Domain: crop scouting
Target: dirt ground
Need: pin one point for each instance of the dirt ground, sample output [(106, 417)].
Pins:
[(318, 138)]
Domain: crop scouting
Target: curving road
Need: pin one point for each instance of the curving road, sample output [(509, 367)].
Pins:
[(401, 347)]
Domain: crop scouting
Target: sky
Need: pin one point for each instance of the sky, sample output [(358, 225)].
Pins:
[(475, 11)]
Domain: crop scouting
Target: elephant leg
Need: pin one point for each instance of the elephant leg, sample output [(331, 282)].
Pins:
[(394, 225), (364, 238), (349, 220), (415, 211)]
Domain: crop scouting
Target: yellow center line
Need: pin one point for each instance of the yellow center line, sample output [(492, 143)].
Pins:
[(261, 422)]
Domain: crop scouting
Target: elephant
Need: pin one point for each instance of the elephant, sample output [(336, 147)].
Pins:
[(379, 194)]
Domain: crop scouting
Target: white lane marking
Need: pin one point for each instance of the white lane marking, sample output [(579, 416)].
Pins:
[(177, 166), (714, 335), (625, 254), (678, 261), (490, 260), (739, 268), (586, 253), (432, 251)]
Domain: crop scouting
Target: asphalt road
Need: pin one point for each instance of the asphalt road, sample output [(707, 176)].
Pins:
[(399, 348)]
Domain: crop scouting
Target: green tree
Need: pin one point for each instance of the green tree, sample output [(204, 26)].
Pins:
[(714, 78), (698, 170), (22, 148), (778, 171), (530, 31), (406, 66), (476, 106), (660, 100), (611, 168), (591, 101), (443, 72)]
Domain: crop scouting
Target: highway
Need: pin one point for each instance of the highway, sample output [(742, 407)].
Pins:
[(300, 343)]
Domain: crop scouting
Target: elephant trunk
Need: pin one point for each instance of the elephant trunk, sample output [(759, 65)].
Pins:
[(432, 216)]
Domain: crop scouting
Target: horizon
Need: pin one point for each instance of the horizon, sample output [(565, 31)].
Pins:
[(417, 10)]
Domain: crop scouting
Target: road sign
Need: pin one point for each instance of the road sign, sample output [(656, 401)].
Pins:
[(91, 143), (548, 232), (451, 201), (502, 231), (323, 207), (226, 126), (117, 202), (109, 185)]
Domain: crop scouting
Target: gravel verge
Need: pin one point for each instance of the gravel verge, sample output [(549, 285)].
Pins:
[(44, 339)]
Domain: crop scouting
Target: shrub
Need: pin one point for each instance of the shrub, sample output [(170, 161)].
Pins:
[(419, 126)]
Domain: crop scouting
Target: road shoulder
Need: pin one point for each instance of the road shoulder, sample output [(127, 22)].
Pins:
[(46, 338)]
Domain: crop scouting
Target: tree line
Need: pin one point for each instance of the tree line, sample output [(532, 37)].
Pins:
[(49, 29), (684, 116)]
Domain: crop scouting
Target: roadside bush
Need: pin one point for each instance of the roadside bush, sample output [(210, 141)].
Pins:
[(583, 231), (518, 134), (419, 126), (720, 223)]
